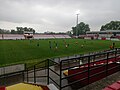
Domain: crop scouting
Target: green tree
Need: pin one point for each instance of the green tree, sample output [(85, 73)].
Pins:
[(69, 33), (80, 29), (31, 29), (13, 31), (20, 30), (113, 25), (3, 31)]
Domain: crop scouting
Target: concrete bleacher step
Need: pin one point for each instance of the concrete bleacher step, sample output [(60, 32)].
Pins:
[(52, 87), (40, 83)]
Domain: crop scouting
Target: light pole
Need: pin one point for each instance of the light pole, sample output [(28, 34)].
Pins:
[(77, 25)]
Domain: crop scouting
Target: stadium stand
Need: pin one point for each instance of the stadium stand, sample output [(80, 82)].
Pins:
[(104, 35), (79, 76), (0, 36), (81, 73), (11, 36), (46, 36), (35, 36), (66, 36), (59, 36), (43, 36)]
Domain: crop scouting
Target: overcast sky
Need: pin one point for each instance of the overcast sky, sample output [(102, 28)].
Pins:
[(57, 15)]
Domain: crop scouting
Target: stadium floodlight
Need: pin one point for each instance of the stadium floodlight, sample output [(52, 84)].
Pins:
[(77, 13)]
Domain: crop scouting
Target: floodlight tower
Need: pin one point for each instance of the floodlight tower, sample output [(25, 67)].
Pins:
[(77, 13)]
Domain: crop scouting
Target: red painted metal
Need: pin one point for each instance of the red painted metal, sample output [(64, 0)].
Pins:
[(114, 86), (97, 71), (2, 88)]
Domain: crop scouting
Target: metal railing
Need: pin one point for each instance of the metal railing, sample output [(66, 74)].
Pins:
[(69, 64), (14, 76)]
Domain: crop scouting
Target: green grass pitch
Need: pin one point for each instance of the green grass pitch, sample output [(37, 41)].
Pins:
[(33, 51)]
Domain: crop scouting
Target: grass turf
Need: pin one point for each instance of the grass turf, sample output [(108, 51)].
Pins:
[(33, 51)]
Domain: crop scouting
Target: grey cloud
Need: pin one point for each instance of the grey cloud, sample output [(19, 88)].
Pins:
[(58, 15)]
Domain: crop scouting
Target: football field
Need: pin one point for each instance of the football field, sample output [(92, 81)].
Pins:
[(33, 51)]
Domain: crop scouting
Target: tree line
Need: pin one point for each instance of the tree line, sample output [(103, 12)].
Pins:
[(113, 25), (19, 30), (82, 27), (79, 29)]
